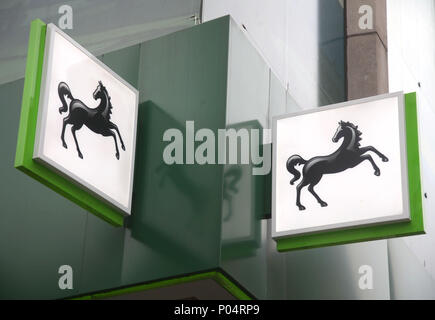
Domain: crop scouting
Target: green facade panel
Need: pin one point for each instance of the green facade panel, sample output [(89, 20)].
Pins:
[(176, 223), (177, 208), (39, 229)]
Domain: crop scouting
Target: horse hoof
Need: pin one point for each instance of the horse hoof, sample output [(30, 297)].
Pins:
[(123, 147), (385, 159), (65, 146), (80, 156), (301, 208), (323, 204), (377, 173), (117, 156)]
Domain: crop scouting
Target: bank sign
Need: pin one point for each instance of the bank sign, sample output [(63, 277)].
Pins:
[(347, 172), (78, 132)]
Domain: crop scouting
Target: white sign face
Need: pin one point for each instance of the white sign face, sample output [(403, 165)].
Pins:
[(87, 121), (340, 166)]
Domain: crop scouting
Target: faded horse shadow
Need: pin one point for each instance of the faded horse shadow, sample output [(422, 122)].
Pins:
[(349, 155), (97, 119)]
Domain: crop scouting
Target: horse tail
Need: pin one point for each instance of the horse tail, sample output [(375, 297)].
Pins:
[(291, 163), (63, 90)]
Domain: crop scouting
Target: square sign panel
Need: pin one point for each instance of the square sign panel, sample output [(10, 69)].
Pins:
[(85, 130), (86, 121), (342, 167)]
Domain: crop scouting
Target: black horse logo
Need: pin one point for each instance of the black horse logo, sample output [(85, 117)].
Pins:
[(98, 119), (349, 155)]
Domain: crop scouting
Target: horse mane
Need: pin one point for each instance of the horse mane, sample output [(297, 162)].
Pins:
[(108, 109), (355, 128)]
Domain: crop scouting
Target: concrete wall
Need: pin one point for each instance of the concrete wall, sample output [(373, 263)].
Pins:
[(367, 47)]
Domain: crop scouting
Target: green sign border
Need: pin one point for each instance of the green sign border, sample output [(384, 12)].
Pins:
[(26, 135), (215, 275), (413, 227)]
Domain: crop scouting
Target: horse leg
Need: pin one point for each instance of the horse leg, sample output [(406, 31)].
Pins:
[(115, 127), (73, 131), (373, 149), (311, 189), (298, 194), (62, 136), (369, 158), (112, 134)]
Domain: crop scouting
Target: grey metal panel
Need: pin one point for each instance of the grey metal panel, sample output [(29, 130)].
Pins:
[(332, 273), (411, 67), (277, 98), (245, 258), (301, 40), (408, 277), (248, 81), (276, 269)]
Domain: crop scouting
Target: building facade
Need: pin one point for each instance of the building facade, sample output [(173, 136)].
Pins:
[(223, 64)]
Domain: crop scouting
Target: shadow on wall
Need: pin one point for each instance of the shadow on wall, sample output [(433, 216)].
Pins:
[(172, 203), (243, 204), (180, 196)]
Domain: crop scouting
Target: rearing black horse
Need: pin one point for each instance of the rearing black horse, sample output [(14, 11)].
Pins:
[(98, 119), (349, 155)]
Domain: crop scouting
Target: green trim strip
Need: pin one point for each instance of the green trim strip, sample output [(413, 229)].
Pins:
[(231, 287), (412, 146), (214, 275), (401, 229), (26, 135)]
